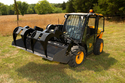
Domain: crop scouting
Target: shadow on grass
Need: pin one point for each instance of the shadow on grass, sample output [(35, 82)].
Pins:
[(46, 73), (55, 73), (97, 63)]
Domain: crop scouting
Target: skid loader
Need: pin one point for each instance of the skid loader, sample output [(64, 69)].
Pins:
[(80, 35)]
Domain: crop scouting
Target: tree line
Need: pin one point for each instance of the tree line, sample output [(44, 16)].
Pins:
[(42, 7), (109, 8)]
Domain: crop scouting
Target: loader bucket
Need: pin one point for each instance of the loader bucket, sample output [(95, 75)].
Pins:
[(55, 52), (39, 43)]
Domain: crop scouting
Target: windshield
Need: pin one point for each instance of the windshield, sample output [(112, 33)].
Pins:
[(74, 25)]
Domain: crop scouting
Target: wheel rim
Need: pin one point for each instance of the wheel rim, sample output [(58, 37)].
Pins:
[(101, 47), (79, 57)]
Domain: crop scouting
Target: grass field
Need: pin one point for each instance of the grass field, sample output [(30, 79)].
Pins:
[(19, 66), (8, 23)]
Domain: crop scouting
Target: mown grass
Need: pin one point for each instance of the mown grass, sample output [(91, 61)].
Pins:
[(19, 66)]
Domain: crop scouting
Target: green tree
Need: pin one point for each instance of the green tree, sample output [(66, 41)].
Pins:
[(30, 10), (3, 9), (110, 7), (43, 7), (116, 7), (83, 5), (10, 9), (63, 5), (58, 5), (22, 6), (69, 7), (57, 10), (101, 7)]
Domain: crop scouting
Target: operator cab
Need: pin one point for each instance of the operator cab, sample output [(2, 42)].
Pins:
[(74, 25), (77, 24)]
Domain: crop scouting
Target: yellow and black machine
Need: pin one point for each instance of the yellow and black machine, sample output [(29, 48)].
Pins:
[(79, 36)]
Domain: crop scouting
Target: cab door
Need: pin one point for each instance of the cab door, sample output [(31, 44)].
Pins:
[(91, 28)]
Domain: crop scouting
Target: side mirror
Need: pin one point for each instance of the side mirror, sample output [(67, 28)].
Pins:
[(65, 16)]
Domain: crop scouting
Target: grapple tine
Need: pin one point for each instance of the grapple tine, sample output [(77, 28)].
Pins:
[(34, 37), (24, 34), (42, 37), (25, 31), (15, 33), (24, 41), (44, 41), (14, 38), (44, 44), (32, 44)]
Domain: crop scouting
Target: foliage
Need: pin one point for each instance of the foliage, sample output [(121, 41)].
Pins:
[(106, 7), (116, 7), (69, 7), (22, 6), (63, 5), (43, 7), (3, 9), (64, 11), (58, 5), (31, 9), (10, 10), (57, 10), (109, 8), (83, 5)]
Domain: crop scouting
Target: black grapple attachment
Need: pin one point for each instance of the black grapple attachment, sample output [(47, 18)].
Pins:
[(23, 32), (42, 42)]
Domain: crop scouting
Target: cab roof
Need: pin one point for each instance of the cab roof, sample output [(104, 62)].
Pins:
[(83, 14)]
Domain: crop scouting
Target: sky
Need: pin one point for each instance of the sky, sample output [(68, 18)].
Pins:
[(8, 2)]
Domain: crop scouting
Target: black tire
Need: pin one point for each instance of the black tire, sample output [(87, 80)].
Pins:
[(78, 55), (98, 48)]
